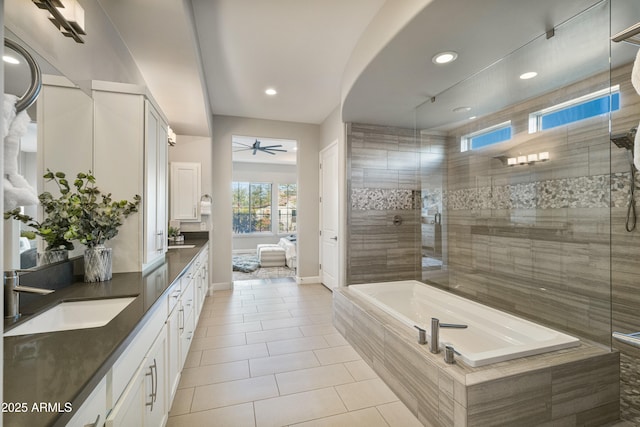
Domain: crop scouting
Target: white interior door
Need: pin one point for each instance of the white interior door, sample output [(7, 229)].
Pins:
[(329, 217)]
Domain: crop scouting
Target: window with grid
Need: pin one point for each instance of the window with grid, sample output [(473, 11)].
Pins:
[(287, 199), (251, 207)]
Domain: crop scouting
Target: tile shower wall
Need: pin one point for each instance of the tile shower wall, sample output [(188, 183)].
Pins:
[(384, 185), (625, 251)]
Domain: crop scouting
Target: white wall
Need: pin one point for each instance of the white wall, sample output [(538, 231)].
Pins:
[(262, 172), (194, 149), (308, 137), (103, 56)]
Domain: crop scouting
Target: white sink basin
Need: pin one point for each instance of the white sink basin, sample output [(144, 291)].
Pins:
[(73, 315)]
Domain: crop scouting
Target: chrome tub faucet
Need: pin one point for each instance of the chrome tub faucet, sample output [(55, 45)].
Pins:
[(434, 343)]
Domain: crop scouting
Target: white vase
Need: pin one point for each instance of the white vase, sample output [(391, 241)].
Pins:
[(53, 255), (97, 264)]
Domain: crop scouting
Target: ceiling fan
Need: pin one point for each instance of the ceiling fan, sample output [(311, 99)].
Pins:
[(269, 149)]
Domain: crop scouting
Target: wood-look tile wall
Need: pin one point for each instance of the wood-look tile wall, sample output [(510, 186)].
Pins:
[(383, 185), (572, 387)]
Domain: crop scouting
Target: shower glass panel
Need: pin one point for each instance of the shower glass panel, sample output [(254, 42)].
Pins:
[(523, 224)]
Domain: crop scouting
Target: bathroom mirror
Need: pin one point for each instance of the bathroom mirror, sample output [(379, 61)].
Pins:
[(60, 116)]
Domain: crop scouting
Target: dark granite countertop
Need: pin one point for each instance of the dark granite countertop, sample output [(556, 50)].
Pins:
[(65, 366)]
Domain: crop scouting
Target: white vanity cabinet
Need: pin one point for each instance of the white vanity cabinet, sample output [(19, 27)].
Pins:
[(130, 157), (181, 327), (144, 401), (185, 191)]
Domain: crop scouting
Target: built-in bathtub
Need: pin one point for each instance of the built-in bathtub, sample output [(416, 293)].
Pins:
[(491, 335), (577, 385)]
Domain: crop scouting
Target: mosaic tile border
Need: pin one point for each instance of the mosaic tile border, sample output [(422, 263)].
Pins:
[(579, 192), (380, 199)]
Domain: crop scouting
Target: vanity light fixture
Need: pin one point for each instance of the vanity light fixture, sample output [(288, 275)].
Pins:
[(528, 75), (444, 57), (66, 15), (271, 91), (528, 159)]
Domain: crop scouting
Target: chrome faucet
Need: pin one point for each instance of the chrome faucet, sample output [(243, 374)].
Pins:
[(12, 291), (434, 344)]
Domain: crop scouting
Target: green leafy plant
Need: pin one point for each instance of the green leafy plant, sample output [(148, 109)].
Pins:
[(173, 231), (98, 215), (81, 212), (59, 227)]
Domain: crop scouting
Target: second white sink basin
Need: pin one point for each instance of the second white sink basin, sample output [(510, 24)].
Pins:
[(73, 315)]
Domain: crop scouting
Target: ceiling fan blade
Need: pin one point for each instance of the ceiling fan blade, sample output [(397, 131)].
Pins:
[(242, 149), (244, 145), (272, 146), (275, 149)]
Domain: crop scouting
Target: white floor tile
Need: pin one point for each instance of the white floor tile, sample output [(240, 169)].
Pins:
[(233, 392), (231, 416), (341, 354), (208, 343), (366, 393), (397, 414), (313, 378), (230, 354), (273, 335), (211, 374), (296, 345), (360, 370), (295, 408), (363, 418), (282, 363)]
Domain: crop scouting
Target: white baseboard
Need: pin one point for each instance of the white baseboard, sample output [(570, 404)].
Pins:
[(222, 286), (305, 280)]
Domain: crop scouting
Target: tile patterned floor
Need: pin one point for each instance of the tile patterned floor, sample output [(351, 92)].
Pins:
[(266, 354)]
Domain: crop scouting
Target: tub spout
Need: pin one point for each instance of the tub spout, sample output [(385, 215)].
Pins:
[(434, 344)]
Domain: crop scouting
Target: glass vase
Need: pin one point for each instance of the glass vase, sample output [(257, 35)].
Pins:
[(97, 264)]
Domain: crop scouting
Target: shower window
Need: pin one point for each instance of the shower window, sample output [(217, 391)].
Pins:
[(485, 137), (584, 107)]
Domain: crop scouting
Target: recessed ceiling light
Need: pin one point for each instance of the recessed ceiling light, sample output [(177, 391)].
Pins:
[(528, 75), (271, 91), (10, 59), (461, 109), (444, 57), (472, 118)]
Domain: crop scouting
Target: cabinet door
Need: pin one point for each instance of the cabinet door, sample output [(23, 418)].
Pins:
[(174, 329), (93, 410), (155, 182), (129, 411), (156, 398), (185, 191)]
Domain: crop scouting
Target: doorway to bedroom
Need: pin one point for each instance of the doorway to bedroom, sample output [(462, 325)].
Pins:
[(264, 205)]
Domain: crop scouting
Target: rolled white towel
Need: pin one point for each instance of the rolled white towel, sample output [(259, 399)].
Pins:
[(635, 73)]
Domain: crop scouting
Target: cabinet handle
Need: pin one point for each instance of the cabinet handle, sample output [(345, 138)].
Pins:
[(182, 316), (152, 395), (194, 211), (96, 423), (155, 370)]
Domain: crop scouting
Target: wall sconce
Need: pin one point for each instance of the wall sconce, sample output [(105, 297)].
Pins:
[(529, 159), (66, 15)]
